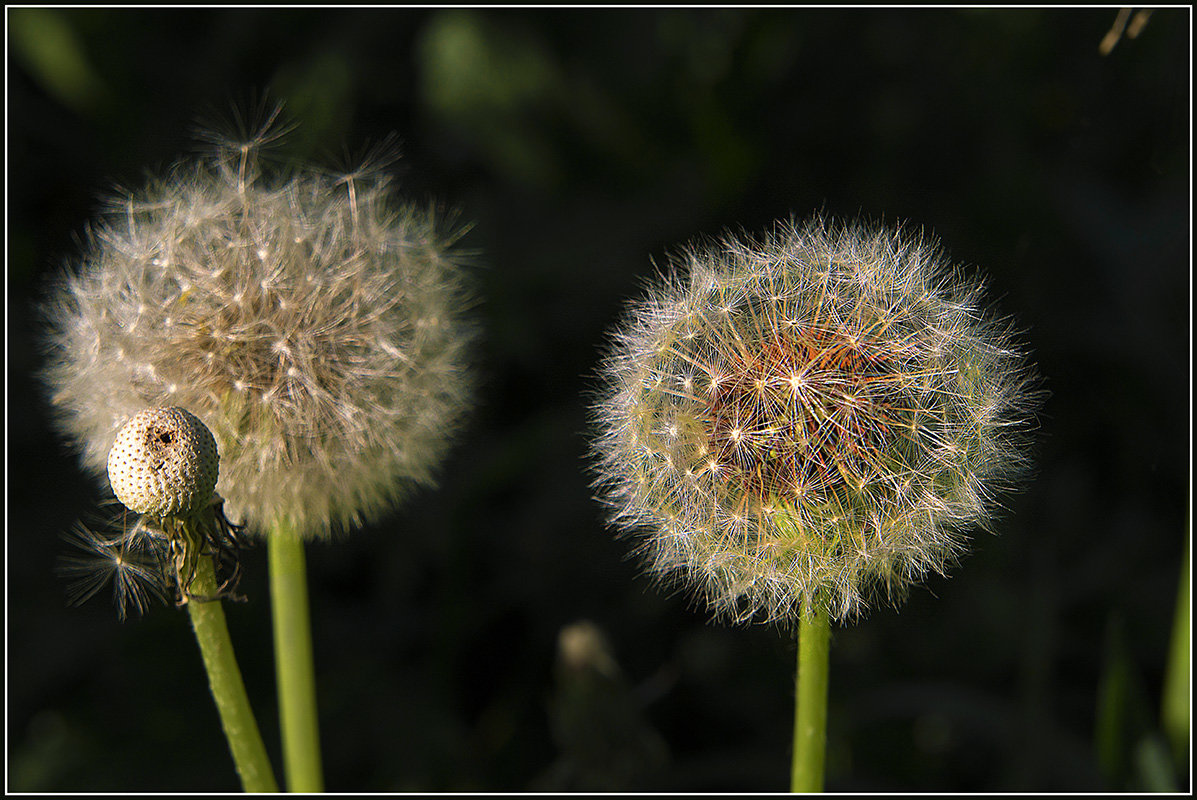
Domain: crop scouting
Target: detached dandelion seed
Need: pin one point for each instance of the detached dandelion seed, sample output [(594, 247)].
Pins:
[(802, 425), (136, 569)]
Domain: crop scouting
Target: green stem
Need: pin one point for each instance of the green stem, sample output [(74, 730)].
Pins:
[(294, 664), (810, 711), (236, 716)]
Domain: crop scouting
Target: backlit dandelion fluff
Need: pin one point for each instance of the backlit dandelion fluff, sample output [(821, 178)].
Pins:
[(813, 418), (312, 321)]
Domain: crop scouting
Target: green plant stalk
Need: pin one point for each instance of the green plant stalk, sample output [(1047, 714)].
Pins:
[(1175, 711), (228, 689), (810, 711), (294, 664)]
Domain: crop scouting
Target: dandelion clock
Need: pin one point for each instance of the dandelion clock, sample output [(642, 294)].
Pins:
[(800, 426)]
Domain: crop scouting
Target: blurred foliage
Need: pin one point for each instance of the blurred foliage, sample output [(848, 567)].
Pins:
[(1178, 677), (581, 145), (47, 47)]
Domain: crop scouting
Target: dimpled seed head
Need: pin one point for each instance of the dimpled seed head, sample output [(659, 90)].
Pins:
[(163, 463)]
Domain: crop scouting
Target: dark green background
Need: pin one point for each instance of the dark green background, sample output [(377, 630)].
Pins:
[(583, 145)]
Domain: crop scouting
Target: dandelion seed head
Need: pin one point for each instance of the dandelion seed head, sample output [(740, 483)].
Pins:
[(855, 412), (163, 463), (289, 311)]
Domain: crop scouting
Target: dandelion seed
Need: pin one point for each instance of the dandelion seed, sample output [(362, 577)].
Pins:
[(128, 561)]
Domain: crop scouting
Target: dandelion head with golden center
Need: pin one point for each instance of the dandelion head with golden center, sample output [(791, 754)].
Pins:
[(817, 416), (311, 320)]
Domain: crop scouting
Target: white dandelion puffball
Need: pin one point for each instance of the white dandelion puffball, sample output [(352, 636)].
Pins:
[(315, 324), (817, 416)]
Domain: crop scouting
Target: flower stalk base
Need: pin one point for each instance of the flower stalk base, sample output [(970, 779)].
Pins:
[(294, 663), (810, 712)]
